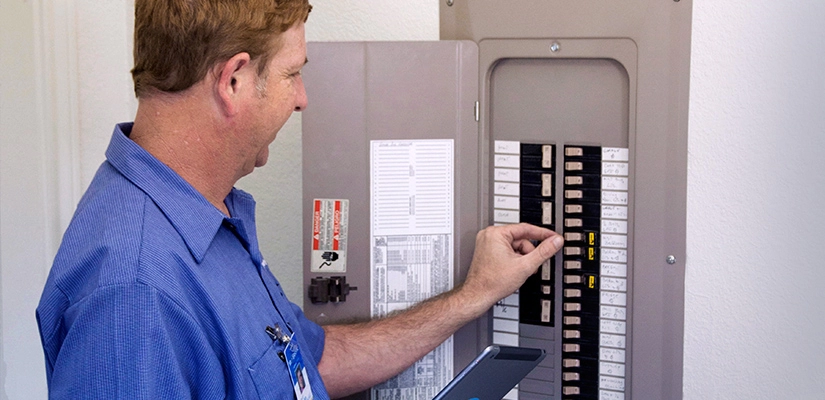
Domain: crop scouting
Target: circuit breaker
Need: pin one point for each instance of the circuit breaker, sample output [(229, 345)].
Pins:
[(592, 207), (568, 115)]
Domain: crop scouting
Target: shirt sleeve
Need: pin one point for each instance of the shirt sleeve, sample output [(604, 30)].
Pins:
[(131, 341), (312, 333)]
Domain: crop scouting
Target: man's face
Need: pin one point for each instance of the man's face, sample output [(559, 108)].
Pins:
[(279, 92)]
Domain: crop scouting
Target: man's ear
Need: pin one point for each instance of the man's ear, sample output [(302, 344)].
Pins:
[(234, 77)]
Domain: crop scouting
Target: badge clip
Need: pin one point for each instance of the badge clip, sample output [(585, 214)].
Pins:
[(277, 334)]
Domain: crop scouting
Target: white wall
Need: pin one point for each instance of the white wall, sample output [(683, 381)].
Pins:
[(753, 320), (23, 224)]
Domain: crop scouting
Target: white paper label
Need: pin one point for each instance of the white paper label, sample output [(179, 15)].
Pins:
[(614, 226), (506, 189), (505, 339), (507, 175), (614, 183), (610, 326), (611, 383), (507, 147), (614, 198), (609, 340), (614, 212), (614, 241), (614, 284), (612, 369), (614, 355), (506, 216), (615, 169), (615, 154), (506, 161), (614, 298), (505, 325), (506, 202), (503, 311), (612, 269), (614, 255), (411, 234), (608, 395), (613, 312)]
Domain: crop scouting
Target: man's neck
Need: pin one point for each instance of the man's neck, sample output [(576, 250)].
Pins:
[(178, 132)]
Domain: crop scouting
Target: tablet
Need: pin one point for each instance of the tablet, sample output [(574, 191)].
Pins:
[(492, 374)]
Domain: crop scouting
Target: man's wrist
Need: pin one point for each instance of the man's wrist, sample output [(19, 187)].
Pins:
[(472, 301)]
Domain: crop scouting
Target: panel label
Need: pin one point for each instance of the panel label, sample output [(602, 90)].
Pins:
[(615, 154), (506, 216), (612, 369), (507, 147), (506, 189), (614, 198), (615, 169), (507, 161), (611, 312), (507, 202), (507, 175), (330, 218), (611, 383), (609, 340), (614, 355), (614, 255), (614, 284), (608, 395), (614, 299), (612, 269), (411, 237), (614, 226), (615, 327), (614, 212), (614, 241), (614, 183)]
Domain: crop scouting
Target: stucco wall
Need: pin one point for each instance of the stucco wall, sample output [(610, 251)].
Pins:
[(753, 307)]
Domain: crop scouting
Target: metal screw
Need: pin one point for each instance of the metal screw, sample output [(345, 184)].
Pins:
[(555, 47), (671, 260), (450, 3)]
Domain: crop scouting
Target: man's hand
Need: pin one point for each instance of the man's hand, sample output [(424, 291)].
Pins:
[(358, 356), (504, 258)]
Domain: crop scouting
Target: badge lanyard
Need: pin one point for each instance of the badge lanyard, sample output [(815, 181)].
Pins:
[(294, 362)]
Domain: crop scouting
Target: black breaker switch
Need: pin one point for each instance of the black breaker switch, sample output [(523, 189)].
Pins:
[(334, 289)]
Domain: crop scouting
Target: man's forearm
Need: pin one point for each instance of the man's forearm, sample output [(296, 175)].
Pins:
[(362, 355)]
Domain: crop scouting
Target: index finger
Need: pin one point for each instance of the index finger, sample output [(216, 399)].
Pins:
[(525, 231)]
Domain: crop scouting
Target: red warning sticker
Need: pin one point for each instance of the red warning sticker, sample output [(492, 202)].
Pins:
[(329, 235)]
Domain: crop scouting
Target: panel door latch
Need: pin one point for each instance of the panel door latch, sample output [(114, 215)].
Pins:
[(334, 289)]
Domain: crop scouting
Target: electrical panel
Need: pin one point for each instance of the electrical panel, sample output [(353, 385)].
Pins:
[(568, 115)]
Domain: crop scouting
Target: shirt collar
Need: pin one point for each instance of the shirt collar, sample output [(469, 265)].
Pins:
[(193, 217)]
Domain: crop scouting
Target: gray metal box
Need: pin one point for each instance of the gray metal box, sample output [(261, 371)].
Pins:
[(561, 76)]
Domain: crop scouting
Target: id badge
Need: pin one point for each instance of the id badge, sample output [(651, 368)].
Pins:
[(297, 371)]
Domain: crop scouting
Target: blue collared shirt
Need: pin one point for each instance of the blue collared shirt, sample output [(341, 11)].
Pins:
[(155, 294)]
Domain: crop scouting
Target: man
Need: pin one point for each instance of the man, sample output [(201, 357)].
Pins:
[(159, 289)]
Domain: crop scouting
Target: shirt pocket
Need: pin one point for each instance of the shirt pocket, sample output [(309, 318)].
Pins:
[(271, 376)]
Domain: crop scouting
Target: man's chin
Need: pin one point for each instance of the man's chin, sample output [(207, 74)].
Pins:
[(263, 156)]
